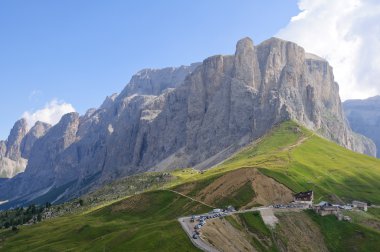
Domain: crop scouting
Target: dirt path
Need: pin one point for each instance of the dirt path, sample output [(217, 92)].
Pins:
[(200, 202), (299, 142)]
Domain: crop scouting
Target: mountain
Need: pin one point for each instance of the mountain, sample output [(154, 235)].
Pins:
[(15, 151), (194, 116), (364, 118), (288, 159)]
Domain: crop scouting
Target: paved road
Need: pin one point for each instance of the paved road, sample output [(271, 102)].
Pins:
[(200, 243), (189, 229), (188, 226)]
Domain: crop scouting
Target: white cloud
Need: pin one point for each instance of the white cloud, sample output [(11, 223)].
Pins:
[(347, 34), (51, 113)]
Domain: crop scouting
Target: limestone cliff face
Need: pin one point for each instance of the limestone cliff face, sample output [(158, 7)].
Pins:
[(155, 81), (36, 132), (15, 151), (14, 140), (188, 116)]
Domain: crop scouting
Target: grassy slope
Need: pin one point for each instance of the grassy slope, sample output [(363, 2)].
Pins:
[(262, 238), (315, 163), (345, 236), (290, 154), (239, 197), (253, 225), (297, 158), (140, 223)]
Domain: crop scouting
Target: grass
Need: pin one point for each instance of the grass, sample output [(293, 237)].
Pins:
[(301, 160), (239, 198), (255, 223), (345, 236), (146, 223), (198, 185), (289, 154), (333, 172), (374, 212), (262, 238)]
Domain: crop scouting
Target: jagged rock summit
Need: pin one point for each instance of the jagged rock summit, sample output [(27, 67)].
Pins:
[(15, 151), (192, 116)]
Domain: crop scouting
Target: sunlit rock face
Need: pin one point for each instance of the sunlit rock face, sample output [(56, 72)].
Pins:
[(193, 116), (14, 152)]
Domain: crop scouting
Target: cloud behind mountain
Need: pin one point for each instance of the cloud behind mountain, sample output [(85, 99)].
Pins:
[(51, 113), (347, 34)]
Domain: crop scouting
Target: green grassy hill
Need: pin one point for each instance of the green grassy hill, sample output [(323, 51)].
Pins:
[(288, 159), (145, 222), (301, 160)]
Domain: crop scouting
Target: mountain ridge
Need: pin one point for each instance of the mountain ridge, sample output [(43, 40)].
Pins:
[(197, 119)]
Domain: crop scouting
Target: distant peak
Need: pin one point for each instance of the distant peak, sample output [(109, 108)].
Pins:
[(21, 122)]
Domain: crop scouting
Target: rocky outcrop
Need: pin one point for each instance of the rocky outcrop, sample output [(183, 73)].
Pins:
[(36, 132), (3, 148), (18, 132), (186, 117), (155, 81), (42, 164), (364, 118), (14, 152), (9, 167)]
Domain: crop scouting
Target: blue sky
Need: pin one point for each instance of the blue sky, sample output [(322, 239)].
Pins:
[(80, 51)]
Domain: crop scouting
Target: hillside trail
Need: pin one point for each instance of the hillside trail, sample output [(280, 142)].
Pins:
[(298, 143), (195, 200)]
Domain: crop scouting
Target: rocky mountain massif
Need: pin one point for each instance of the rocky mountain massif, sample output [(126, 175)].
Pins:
[(15, 151), (192, 116), (364, 118)]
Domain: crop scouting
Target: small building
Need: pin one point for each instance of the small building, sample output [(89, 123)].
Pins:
[(360, 205), (304, 198), (327, 210)]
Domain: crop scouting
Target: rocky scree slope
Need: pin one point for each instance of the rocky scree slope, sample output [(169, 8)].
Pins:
[(364, 118), (192, 116)]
